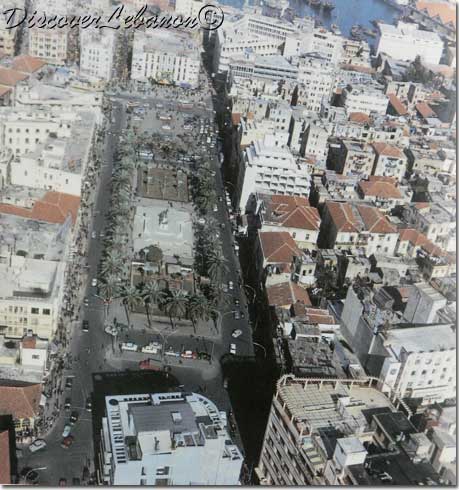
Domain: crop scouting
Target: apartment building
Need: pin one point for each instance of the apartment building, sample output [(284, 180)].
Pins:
[(254, 66), (49, 44), (351, 157), (366, 99), (390, 161), (273, 170), (347, 226), (166, 56), (50, 149), (317, 73), (97, 53), (317, 429), (406, 41), (166, 439), (315, 142), (9, 37)]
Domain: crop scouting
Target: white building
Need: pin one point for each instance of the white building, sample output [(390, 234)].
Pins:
[(272, 170), (168, 56), (51, 149), (8, 36), (421, 362), (407, 41), (97, 52), (166, 439), (366, 99), (317, 74), (315, 141), (268, 67)]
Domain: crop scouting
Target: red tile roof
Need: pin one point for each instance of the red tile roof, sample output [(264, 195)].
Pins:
[(374, 220), (20, 400), (28, 64), (52, 208), (292, 212), (236, 118), (385, 190), (313, 315), (11, 77), (287, 294), (359, 117), (425, 110), (387, 150), (278, 246), (446, 11), (358, 68), (29, 342), (5, 466), (418, 239), (342, 216), (397, 104)]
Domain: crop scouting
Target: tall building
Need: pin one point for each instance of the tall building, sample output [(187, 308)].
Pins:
[(272, 169), (97, 53), (166, 439), (172, 57), (9, 37), (340, 432)]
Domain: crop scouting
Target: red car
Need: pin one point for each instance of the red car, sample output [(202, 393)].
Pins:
[(62, 482), (67, 442), (148, 364)]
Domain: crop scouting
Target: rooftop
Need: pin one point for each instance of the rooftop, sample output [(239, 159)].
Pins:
[(19, 399), (278, 246), (286, 294)]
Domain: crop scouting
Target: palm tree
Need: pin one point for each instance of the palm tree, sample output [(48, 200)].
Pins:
[(218, 266), (108, 289), (112, 264), (199, 308), (130, 297), (175, 304), (152, 294)]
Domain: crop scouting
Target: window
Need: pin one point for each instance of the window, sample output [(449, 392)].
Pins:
[(46, 311), (35, 356), (35, 311)]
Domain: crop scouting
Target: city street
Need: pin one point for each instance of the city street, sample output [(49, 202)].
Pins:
[(92, 351)]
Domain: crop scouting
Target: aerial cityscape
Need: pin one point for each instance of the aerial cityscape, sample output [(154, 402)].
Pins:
[(228, 242)]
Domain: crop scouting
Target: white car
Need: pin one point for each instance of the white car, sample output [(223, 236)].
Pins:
[(236, 247), (231, 285), (94, 282), (67, 430), (233, 349), (153, 348), (236, 333), (201, 221), (37, 445), (215, 208), (129, 346), (93, 234)]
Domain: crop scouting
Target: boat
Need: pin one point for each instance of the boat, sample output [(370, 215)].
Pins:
[(375, 22), (369, 32), (329, 6), (315, 3)]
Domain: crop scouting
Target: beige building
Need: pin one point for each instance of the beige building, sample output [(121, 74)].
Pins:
[(49, 44)]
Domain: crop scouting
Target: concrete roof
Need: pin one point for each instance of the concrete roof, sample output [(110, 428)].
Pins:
[(422, 338)]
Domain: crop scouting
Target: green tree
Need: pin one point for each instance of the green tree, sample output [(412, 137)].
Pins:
[(175, 304)]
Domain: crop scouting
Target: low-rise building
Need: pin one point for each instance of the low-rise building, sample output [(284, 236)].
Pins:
[(163, 438), (390, 161), (384, 193)]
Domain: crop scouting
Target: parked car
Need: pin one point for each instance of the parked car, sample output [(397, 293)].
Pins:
[(86, 301), (89, 404), (148, 364), (172, 353), (236, 247), (93, 234), (201, 221), (189, 354), (230, 285), (237, 315), (215, 208), (233, 349), (236, 301), (130, 346), (67, 430), (68, 403), (62, 482), (85, 326), (222, 226), (74, 417), (94, 282), (236, 333), (67, 442), (37, 445), (152, 348), (69, 383)]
